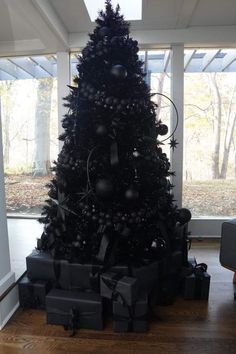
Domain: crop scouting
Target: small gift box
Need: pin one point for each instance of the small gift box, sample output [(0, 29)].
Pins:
[(131, 318), (80, 276), (197, 284), (167, 289), (32, 294), (122, 288), (74, 309), (42, 266)]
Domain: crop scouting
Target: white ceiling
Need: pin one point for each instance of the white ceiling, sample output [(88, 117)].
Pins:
[(47, 26)]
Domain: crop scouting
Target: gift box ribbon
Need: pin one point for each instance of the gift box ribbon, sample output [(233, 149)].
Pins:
[(112, 284), (131, 318), (73, 316)]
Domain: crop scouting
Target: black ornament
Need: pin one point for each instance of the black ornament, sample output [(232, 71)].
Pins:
[(131, 194), (119, 71), (104, 188), (173, 143), (101, 130), (162, 129), (183, 215), (104, 31)]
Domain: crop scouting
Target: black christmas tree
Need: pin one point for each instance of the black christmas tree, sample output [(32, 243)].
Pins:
[(111, 178), (111, 205)]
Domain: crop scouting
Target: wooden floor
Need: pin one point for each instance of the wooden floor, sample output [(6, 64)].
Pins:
[(191, 327)]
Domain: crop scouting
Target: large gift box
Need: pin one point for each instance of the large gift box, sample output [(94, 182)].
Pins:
[(41, 265), (122, 288), (197, 284), (80, 276), (131, 318), (74, 309), (32, 294)]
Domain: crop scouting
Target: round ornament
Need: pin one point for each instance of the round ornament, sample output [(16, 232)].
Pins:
[(162, 129), (183, 215), (131, 194), (104, 31), (119, 71), (104, 188), (101, 130)]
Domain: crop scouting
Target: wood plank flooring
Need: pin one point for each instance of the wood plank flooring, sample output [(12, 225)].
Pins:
[(187, 327)]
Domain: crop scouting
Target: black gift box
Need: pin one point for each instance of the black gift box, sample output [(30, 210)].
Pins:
[(42, 266), (147, 277), (167, 290), (197, 286), (176, 261), (32, 294), (131, 318), (80, 276), (122, 288), (74, 309)]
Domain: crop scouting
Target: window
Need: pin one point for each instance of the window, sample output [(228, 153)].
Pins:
[(28, 91), (209, 186)]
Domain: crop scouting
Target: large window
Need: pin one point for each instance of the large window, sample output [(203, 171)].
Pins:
[(209, 186), (28, 91)]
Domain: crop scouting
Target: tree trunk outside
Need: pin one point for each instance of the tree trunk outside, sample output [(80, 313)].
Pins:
[(42, 128), (217, 130), (227, 147)]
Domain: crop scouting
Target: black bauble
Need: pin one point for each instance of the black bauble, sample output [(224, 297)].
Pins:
[(104, 188), (162, 129), (131, 194), (101, 130), (104, 31), (119, 71), (183, 215)]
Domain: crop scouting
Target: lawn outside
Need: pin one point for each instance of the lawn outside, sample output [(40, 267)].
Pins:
[(26, 195)]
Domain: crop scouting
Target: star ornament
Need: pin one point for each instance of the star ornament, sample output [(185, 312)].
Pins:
[(173, 143)]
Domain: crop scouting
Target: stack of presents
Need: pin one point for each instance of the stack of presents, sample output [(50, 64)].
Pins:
[(84, 295)]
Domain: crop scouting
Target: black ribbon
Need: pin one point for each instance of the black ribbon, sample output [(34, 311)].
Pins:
[(199, 270), (130, 318), (102, 253), (112, 285), (114, 158), (57, 271)]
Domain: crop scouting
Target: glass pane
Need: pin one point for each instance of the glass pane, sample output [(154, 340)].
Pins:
[(28, 90), (209, 187), (158, 77)]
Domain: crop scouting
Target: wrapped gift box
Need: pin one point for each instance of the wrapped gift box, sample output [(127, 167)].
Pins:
[(42, 266), (167, 290), (122, 288), (197, 286), (74, 309), (32, 294), (147, 276), (131, 318), (80, 276)]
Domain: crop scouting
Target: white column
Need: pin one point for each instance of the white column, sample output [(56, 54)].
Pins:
[(7, 277), (177, 96), (63, 79)]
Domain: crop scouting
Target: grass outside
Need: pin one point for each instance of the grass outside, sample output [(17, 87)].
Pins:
[(26, 194)]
